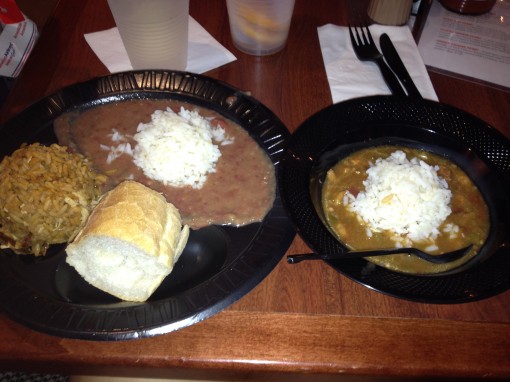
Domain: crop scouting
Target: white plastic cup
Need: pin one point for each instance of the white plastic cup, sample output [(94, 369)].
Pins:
[(154, 32), (260, 27)]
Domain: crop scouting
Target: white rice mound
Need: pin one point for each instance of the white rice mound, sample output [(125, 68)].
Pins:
[(404, 196), (177, 149)]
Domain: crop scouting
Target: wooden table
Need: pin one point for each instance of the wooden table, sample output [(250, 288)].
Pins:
[(302, 322)]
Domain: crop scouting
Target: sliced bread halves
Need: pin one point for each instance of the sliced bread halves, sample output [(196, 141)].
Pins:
[(130, 242)]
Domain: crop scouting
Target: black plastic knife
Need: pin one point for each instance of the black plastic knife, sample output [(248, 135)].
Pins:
[(398, 67)]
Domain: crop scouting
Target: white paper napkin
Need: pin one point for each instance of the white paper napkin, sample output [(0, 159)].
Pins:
[(349, 77), (204, 52)]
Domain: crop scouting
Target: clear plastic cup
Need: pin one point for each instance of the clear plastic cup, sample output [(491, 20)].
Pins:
[(154, 32), (260, 27)]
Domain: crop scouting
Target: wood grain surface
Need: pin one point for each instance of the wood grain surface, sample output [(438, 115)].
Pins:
[(303, 322)]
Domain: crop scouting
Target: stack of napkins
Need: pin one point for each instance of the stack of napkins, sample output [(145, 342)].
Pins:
[(349, 77), (204, 52)]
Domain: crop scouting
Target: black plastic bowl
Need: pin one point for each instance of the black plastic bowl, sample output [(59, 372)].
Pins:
[(337, 131)]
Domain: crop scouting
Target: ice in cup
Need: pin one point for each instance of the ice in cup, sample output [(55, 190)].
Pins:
[(154, 32), (260, 27)]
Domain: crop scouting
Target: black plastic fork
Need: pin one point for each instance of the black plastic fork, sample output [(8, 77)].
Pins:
[(437, 259), (366, 50)]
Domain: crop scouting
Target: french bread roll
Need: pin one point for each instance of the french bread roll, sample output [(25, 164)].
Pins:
[(130, 243)]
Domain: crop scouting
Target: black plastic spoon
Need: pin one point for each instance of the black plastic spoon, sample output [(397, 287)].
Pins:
[(437, 259)]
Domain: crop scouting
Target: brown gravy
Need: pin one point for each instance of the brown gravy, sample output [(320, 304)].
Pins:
[(241, 191)]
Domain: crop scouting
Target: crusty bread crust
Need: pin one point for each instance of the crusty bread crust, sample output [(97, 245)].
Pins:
[(136, 215)]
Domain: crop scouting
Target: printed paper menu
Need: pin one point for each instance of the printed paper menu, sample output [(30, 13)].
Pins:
[(472, 46)]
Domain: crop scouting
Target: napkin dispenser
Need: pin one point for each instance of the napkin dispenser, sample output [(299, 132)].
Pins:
[(390, 12)]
